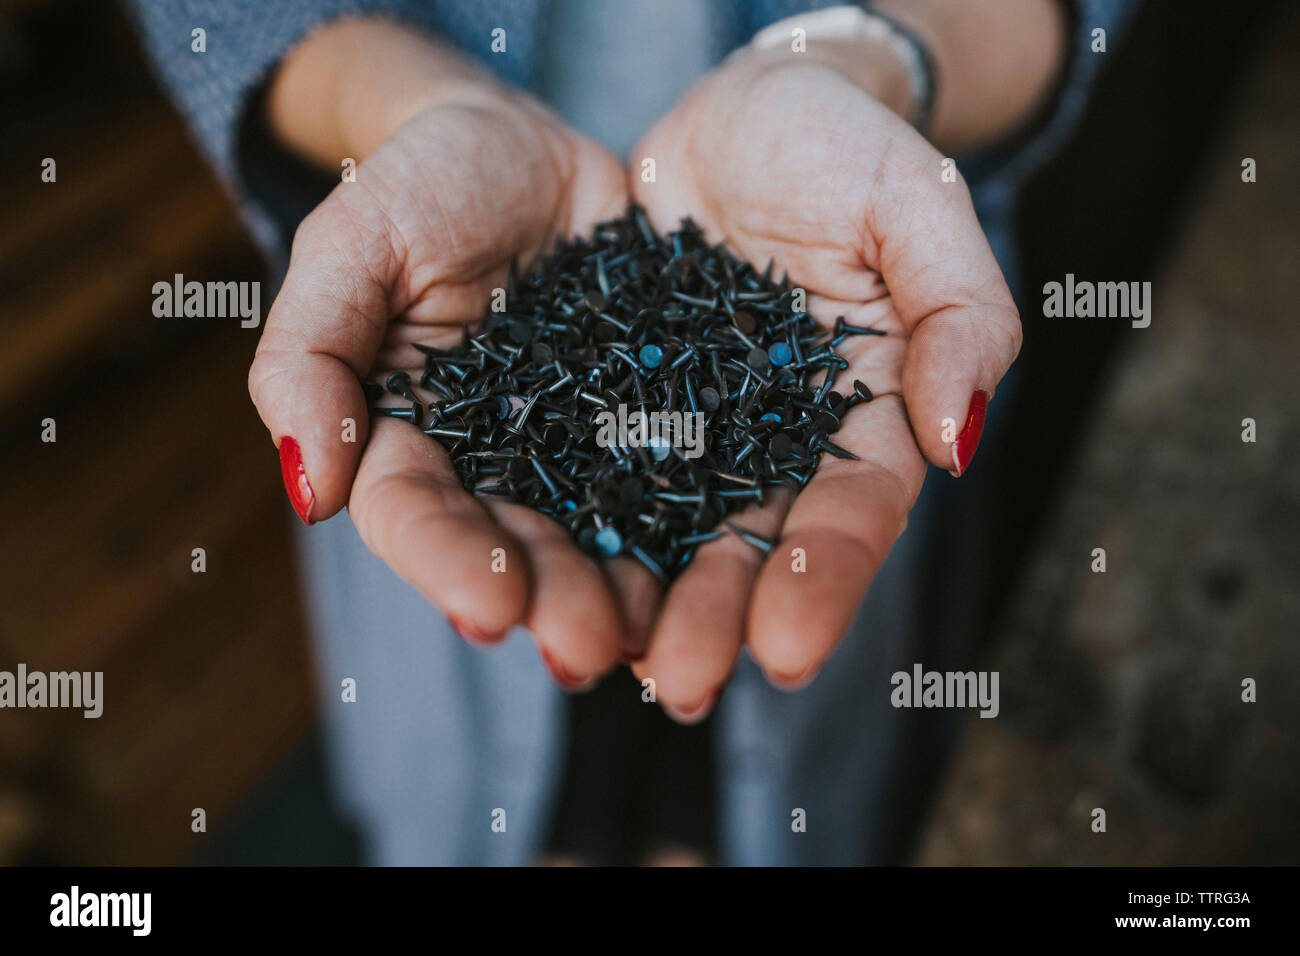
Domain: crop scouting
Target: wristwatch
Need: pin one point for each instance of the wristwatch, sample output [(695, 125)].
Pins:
[(849, 22)]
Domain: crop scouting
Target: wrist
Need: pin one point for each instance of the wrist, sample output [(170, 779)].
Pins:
[(869, 51), (874, 64), (348, 86), (999, 60)]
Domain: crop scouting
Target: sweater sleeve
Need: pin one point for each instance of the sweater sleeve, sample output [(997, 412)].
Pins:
[(243, 42), (1005, 165), (1000, 167)]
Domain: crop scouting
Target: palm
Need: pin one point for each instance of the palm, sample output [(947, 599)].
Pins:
[(405, 254), (801, 167)]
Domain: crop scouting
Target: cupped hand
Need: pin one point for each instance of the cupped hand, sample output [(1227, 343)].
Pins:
[(793, 162), (407, 253)]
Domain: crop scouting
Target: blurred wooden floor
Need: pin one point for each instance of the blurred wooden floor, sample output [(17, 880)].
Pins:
[(158, 452)]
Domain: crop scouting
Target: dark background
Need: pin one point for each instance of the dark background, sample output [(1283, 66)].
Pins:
[(1131, 442)]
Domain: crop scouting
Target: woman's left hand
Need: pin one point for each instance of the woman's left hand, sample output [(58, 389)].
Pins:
[(795, 162)]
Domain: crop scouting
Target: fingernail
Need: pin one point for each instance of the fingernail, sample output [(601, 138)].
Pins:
[(692, 715), (793, 681), (632, 648), (557, 671), (295, 479), (471, 634), (963, 449)]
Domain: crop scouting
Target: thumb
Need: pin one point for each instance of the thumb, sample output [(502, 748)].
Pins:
[(321, 337), (963, 324), (955, 359)]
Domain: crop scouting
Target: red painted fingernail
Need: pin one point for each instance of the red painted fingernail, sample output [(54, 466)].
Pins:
[(963, 449), (693, 715), (472, 634), (557, 671), (295, 479)]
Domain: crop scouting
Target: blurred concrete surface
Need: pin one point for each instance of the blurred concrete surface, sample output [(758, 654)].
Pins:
[(1123, 690)]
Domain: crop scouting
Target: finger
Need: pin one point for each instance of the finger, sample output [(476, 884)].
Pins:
[(321, 336), (952, 298), (639, 596), (842, 525), (597, 189), (701, 626), (412, 512), (572, 613)]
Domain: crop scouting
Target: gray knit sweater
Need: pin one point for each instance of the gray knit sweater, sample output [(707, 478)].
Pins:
[(245, 39)]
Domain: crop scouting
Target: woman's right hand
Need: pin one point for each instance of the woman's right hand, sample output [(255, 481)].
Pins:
[(406, 253)]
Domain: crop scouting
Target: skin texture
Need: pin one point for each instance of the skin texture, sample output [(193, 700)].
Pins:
[(801, 159), (876, 219), (407, 253)]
